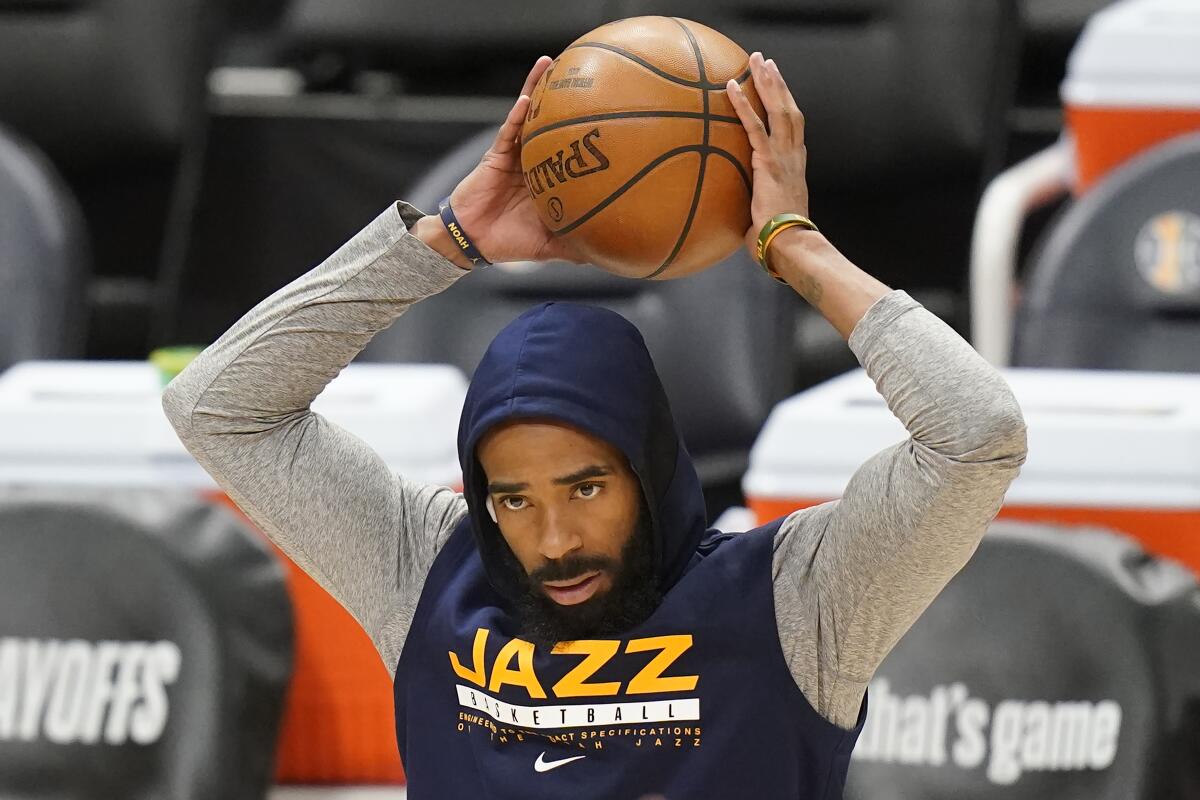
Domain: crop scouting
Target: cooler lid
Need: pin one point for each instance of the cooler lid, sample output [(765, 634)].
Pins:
[(1096, 438), (101, 422), (1141, 53)]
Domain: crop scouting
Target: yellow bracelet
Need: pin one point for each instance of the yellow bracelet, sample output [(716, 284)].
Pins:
[(776, 225)]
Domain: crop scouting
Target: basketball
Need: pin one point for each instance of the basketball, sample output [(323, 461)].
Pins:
[(633, 150)]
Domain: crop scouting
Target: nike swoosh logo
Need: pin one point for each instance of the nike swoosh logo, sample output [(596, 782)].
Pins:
[(541, 765)]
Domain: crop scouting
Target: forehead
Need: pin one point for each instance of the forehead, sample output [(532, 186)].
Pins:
[(538, 444)]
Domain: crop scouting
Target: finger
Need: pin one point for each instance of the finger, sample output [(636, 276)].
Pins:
[(540, 66), (789, 101), (510, 130), (755, 129), (790, 111), (769, 90)]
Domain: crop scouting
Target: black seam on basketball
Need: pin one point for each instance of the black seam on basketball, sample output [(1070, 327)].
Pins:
[(732, 159), (623, 188), (687, 223), (612, 48), (629, 115)]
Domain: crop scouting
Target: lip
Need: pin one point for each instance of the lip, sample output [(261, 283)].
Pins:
[(577, 590)]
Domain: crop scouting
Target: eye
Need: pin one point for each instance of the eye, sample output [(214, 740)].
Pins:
[(587, 491), (514, 502)]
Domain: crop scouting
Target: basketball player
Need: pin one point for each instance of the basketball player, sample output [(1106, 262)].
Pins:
[(565, 627)]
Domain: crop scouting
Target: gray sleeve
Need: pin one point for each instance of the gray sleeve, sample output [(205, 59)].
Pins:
[(852, 575), (322, 495)]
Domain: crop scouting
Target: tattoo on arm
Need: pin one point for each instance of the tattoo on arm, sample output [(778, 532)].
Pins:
[(810, 289)]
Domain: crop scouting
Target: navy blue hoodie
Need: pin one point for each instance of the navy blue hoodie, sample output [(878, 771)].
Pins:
[(697, 701)]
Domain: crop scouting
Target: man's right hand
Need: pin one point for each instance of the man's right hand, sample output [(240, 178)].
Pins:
[(493, 203)]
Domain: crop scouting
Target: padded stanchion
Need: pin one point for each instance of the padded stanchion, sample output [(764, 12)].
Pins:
[(1059, 663), (145, 646)]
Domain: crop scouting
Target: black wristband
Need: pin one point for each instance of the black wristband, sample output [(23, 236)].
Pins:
[(460, 236)]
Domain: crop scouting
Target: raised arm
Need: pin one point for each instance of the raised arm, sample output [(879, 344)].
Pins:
[(851, 576), (326, 498), (322, 495)]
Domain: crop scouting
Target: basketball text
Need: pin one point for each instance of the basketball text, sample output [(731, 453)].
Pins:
[(567, 164)]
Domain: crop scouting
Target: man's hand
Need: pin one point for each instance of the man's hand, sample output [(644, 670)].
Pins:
[(780, 158), (805, 259), (493, 203)]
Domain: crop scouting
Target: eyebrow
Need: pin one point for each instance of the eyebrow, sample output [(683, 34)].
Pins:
[(495, 487), (590, 471)]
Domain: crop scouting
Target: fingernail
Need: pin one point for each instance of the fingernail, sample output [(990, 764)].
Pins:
[(771, 63)]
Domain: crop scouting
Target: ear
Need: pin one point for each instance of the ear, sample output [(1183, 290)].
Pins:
[(491, 507)]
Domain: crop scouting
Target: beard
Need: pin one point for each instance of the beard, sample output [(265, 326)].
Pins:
[(629, 601)]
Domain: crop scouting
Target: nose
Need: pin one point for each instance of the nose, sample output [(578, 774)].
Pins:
[(559, 537)]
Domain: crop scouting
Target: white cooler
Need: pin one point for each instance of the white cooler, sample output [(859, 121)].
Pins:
[(1133, 81), (1116, 449), (65, 423)]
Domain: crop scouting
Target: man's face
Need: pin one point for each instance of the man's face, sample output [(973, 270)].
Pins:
[(570, 508)]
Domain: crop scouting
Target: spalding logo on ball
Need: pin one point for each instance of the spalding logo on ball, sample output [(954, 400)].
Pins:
[(632, 149)]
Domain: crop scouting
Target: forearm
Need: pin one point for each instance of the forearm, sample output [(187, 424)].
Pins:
[(276, 360), (322, 495), (824, 277), (948, 397), (894, 346)]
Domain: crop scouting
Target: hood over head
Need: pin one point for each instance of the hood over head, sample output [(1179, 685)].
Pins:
[(587, 367)]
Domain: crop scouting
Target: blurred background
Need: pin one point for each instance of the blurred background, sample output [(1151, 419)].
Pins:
[(1027, 169)]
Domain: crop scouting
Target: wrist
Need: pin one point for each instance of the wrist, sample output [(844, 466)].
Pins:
[(797, 250), (822, 275), (431, 231)]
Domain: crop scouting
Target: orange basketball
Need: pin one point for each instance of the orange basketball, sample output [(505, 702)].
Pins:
[(632, 149)]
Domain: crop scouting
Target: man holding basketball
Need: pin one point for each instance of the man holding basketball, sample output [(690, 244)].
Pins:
[(566, 627)]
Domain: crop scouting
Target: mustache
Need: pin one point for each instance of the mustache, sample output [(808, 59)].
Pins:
[(573, 567)]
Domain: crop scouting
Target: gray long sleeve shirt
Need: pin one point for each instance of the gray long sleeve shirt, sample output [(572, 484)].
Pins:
[(850, 576)]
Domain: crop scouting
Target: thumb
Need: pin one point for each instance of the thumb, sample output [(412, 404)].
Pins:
[(506, 138)]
